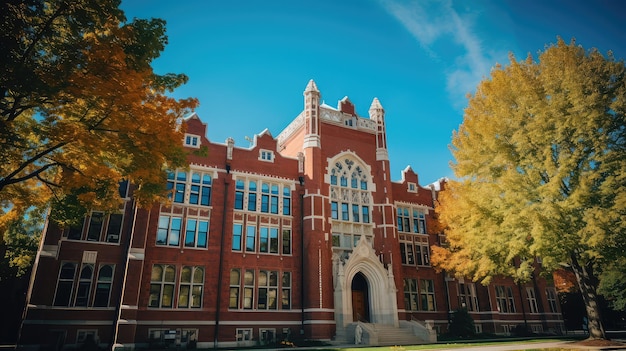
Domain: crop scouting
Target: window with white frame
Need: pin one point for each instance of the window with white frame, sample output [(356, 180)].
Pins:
[(427, 295), (235, 288), (65, 284), (244, 334), (192, 140), (196, 232), (286, 291), (504, 299), (411, 294), (411, 187), (266, 155), (190, 288), (257, 237), (411, 219), (169, 230), (268, 290), (259, 290), (103, 285), (551, 297), (196, 182), (468, 297), (84, 285), (237, 236), (99, 227), (532, 300), (248, 289), (350, 201), (263, 196), (414, 250), (162, 283)]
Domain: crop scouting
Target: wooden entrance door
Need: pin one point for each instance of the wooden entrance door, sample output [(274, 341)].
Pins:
[(359, 311)]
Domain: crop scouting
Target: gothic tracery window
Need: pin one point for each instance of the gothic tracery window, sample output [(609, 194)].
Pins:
[(351, 199)]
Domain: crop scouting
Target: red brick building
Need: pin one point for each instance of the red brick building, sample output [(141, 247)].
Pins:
[(299, 236)]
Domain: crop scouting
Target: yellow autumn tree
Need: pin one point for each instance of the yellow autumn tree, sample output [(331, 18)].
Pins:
[(82, 109), (540, 161)]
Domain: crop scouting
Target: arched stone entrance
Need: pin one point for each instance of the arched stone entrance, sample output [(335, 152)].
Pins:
[(360, 299), (360, 271)]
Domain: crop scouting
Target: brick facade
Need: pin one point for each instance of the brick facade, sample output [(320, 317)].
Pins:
[(297, 236)]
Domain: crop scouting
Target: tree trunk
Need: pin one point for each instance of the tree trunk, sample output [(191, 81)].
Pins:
[(588, 283)]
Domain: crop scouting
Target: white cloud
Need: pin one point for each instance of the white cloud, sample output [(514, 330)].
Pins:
[(430, 21)]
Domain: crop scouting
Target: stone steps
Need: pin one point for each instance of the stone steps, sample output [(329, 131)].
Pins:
[(390, 335)]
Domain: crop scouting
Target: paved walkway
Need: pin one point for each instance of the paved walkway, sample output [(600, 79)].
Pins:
[(568, 345)]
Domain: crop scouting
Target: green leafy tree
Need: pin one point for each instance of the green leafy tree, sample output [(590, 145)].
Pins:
[(81, 108), (541, 169), (462, 325), (19, 244)]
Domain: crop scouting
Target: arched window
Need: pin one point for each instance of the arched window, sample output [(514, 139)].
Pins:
[(351, 201)]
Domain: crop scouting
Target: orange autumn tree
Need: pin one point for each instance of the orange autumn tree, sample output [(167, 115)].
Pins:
[(540, 160), (82, 109)]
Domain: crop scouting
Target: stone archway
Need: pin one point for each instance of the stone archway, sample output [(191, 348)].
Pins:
[(381, 288)]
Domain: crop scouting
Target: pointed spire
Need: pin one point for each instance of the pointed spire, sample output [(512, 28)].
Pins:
[(376, 105), (311, 87)]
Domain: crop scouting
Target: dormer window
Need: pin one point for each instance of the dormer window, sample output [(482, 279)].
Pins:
[(412, 187), (266, 155), (192, 141)]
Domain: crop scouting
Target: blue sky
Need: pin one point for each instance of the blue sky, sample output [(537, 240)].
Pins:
[(248, 62)]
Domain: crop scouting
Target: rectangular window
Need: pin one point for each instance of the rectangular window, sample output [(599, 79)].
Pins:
[(286, 291), (103, 286), (248, 289), (244, 334), (162, 281), (410, 294), (65, 284), (250, 238), (334, 211), (265, 203), (403, 219), (504, 299), (344, 212), (286, 201), (252, 195), (239, 194), (235, 282), (268, 290), (95, 226), (176, 183), (427, 294), (532, 300), (551, 295), (467, 296), (237, 233), (264, 239), (190, 289), (286, 241), (196, 233), (406, 250), (366, 214), (274, 240), (169, 230), (114, 228), (199, 187), (422, 250), (355, 213)]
